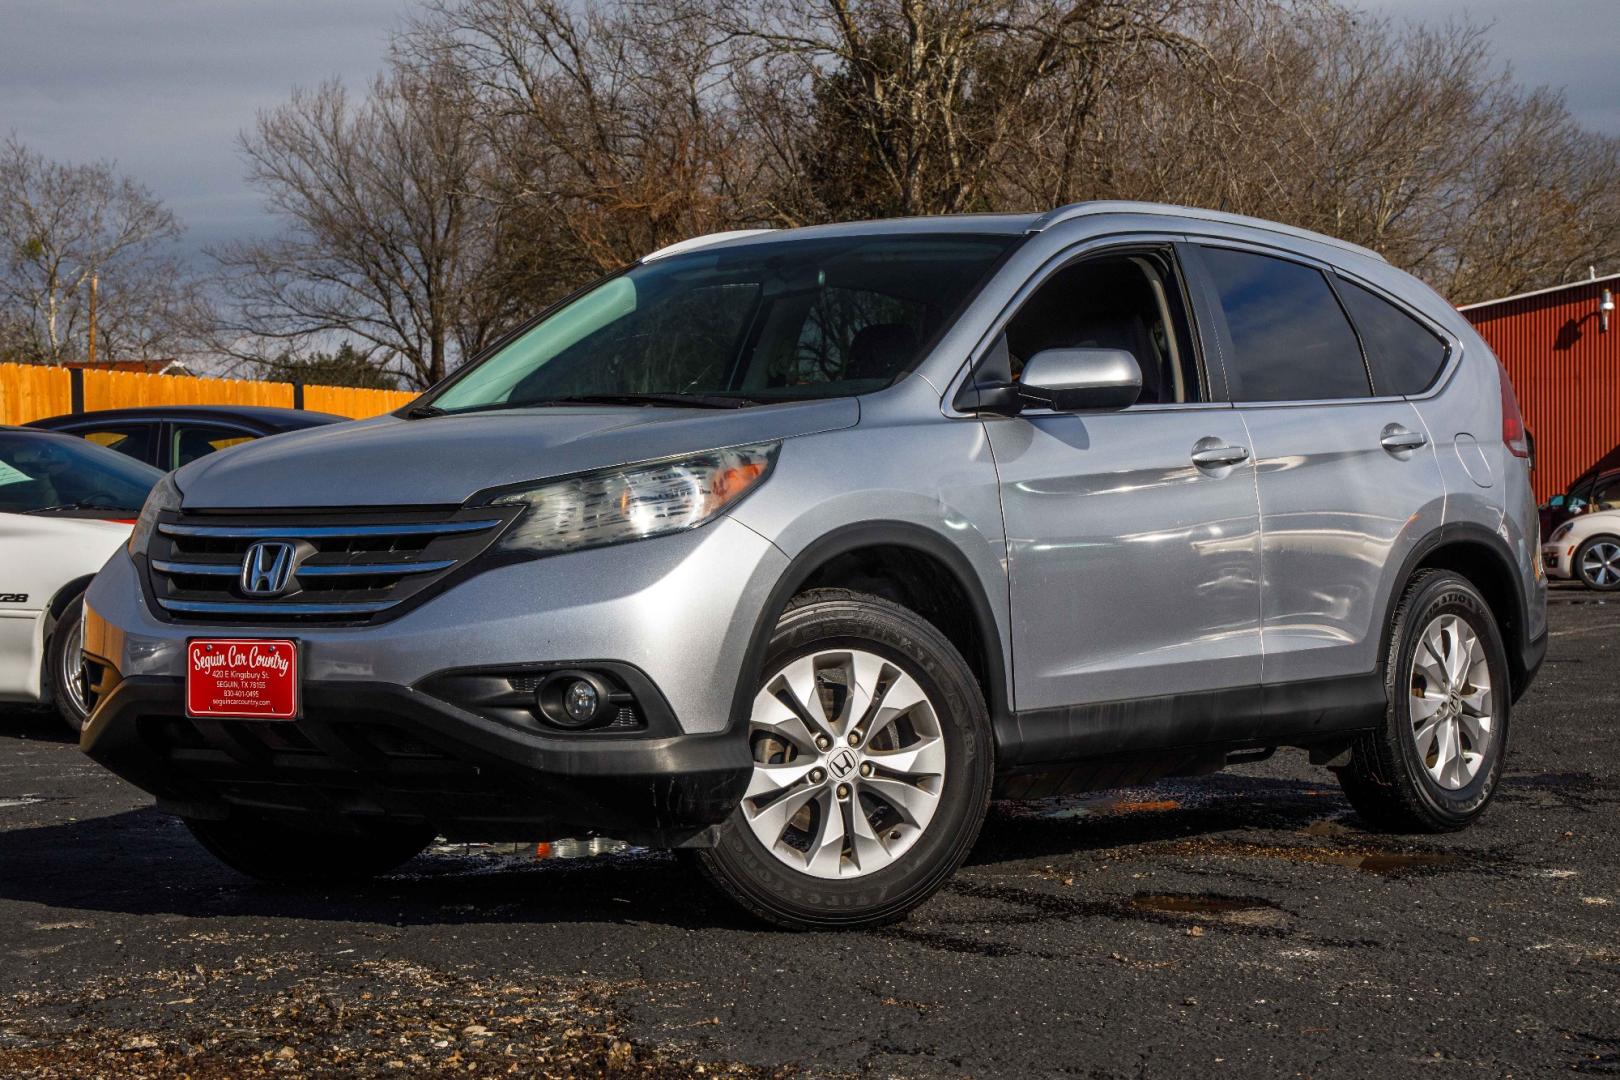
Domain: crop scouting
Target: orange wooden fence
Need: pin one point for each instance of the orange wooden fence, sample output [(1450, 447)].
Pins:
[(31, 392)]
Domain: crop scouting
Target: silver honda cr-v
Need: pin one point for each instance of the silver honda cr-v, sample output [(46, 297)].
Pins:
[(796, 548)]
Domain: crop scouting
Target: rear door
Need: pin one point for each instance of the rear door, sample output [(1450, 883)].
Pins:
[(1347, 480)]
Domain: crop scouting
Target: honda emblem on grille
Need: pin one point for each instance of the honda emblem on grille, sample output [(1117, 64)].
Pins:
[(267, 567)]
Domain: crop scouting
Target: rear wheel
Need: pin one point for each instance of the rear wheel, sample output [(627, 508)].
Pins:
[(284, 855), (65, 654), (1434, 764), (1598, 563), (872, 771)]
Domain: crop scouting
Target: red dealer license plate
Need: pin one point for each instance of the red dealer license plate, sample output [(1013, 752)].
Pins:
[(242, 678)]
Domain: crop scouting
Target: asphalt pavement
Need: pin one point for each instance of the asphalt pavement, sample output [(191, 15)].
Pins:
[(1241, 925)]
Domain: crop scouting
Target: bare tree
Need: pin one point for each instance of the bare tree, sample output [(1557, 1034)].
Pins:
[(62, 226), (612, 126), (389, 241), (920, 106)]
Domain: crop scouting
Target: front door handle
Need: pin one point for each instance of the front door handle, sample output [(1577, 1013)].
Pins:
[(1396, 439), (1217, 456)]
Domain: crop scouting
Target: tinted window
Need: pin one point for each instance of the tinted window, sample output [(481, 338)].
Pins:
[(132, 440), (1129, 302), (1403, 355), (192, 441), (1291, 339), (760, 322), (46, 472)]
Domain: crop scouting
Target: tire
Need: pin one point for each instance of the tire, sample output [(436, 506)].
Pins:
[(281, 855), (1408, 776), (66, 666), (921, 811), (1604, 576)]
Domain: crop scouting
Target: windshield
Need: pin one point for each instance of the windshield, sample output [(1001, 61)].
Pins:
[(764, 322), (41, 472)]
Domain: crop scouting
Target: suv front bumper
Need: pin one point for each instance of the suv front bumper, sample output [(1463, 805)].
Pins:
[(382, 734), (373, 750)]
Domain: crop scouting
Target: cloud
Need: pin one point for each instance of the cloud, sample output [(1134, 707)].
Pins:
[(1569, 45), (164, 86)]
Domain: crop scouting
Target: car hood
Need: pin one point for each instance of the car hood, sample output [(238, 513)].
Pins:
[(441, 460)]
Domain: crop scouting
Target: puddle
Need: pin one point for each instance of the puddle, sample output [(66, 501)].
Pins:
[(1391, 863), (1199, 903), (1106, 804)]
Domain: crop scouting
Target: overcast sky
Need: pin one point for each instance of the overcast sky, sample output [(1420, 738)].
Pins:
[(164, 86)]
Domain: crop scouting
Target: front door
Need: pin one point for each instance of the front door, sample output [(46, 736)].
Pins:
[(1133, 550)]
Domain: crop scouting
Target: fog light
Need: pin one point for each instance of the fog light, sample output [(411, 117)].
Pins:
[(575, 699), (581, 701)]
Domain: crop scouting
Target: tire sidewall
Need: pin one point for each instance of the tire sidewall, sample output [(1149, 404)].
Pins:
[(59, 661), (968, 765), (1450, 595), (1580, 556)]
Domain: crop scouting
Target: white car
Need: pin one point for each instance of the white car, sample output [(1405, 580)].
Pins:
[(65, 506), (1586, 548)]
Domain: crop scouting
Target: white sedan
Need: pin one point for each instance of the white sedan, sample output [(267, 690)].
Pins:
[(65, 507), (1586, 548)]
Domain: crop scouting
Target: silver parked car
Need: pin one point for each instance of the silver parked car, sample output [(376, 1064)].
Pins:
[(796, 548)]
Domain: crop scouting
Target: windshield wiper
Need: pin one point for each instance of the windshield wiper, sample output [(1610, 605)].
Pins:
[(422, 412), (79, 506), (686, 401)]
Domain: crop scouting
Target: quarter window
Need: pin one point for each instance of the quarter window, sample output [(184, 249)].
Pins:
[(1290, 339), (1404, 356)]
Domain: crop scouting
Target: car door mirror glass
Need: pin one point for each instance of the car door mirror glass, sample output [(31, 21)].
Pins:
[(1069, 380)]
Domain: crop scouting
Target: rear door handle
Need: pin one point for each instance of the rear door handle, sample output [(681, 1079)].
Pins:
[(1217, 456), (1396, 439)]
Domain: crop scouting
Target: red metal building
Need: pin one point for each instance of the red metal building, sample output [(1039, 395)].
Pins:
[(1562, 351)]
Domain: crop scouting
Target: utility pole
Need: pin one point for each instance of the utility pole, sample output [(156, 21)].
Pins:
[(91, 352)]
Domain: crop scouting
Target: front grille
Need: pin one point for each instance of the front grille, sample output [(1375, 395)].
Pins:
[(344, 568)]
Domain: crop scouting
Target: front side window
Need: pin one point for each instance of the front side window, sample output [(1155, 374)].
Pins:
[(765, 322), (1290, 340), (1117, 301), (1404, 355), (40, 472)]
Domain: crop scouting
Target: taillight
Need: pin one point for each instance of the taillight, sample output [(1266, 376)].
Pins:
[(1513, 433)]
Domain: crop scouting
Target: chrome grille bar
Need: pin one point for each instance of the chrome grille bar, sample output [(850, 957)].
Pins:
[(306, 571), (238, 607), (323, 532)]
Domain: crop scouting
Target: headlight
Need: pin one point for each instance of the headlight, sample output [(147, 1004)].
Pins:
[(165, 495), (633, 502), (1561, 532)]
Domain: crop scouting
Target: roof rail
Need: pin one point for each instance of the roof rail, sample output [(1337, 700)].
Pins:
[(682, 246), (1121, 206)]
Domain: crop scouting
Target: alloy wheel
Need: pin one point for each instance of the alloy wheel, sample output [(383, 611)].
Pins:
[(1451, 708), (71, 677), (1600, 564), (849, 764)]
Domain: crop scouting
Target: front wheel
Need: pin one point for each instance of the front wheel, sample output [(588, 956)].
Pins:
[(1434, 764), (285, 855), (872, 768)]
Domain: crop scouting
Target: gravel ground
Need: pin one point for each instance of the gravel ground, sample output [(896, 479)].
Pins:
[(1241, 925)]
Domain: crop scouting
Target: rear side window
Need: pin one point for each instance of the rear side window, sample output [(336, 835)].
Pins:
[(1290, 337), (1404, 356)]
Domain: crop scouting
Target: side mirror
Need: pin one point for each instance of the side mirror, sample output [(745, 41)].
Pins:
[(1068, 380)]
